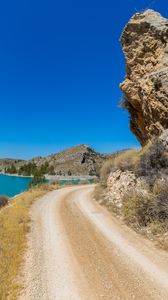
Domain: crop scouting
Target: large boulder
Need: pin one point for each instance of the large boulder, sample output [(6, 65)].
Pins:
[(145, 45)]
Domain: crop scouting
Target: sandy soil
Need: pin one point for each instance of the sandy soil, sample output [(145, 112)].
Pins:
[(77, 250)]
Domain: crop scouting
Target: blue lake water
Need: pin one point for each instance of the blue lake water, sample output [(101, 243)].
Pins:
[(13, 185)]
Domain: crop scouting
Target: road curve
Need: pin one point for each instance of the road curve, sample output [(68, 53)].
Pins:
[(78, 251)]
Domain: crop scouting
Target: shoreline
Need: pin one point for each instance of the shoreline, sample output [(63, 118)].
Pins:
[(16, 175)]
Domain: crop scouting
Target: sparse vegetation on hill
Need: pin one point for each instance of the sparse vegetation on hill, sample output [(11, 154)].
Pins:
[(31, 169), (6, 163), (37, 180), (152, 161), (11, 170), (78, 160)]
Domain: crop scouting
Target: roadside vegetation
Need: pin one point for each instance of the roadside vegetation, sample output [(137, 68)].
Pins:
[(145, 209), (4, 200), (14, 226)]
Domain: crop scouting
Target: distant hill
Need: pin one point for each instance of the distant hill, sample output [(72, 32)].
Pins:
[(7, 162), (78, 160)]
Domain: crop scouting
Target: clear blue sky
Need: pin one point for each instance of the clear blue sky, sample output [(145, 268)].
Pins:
[(60, 68)]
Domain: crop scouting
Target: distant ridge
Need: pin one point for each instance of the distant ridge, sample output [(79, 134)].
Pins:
[(77, 160), (74, 161)]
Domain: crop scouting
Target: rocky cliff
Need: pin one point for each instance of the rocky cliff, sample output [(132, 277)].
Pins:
[(145, 45)]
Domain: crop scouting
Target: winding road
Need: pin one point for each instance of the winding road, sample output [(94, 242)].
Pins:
[(79, 251)]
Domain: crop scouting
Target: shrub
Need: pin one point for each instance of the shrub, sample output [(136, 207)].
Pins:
[(3, 200), (98, 192), (11, 169), (38, 180), (106, 170), (51, 170), (28, 169), (69, 173), (152, 161), (125, 161), (136, 208), (149, 207), (161, 195)]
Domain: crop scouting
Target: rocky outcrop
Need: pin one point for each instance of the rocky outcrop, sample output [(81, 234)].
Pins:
[(164, 139), (145, 45), (121, 183)]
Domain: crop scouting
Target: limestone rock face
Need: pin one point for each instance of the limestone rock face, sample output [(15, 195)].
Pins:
[(145, 45), (120, 183)]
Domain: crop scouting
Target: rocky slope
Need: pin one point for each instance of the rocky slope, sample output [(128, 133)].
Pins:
[(145, 46), (78, 160)]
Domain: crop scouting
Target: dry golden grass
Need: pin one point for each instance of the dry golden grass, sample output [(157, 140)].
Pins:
[(123, 161), (14, 225)]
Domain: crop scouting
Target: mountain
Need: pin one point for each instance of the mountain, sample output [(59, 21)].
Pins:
[(78, 160)]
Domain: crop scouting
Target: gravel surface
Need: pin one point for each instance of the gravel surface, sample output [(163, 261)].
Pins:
[(77, 250)]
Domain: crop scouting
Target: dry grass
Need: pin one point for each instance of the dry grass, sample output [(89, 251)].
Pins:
[(123, 161), (14, 225), (98, 193), (148, 212)]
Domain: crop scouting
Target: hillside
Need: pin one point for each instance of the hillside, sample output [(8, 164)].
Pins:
[(7, 162), (78, 160)]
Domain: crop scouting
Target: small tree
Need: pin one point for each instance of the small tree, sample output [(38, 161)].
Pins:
[(37, 180), (51, 170), (69, 173), (11, 170)]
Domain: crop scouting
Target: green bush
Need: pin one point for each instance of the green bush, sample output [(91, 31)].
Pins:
[(51, 170), (11, 170), (28, 169), (32, 169), (37, 180)]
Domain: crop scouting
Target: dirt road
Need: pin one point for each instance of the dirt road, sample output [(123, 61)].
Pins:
[(78, 251)]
